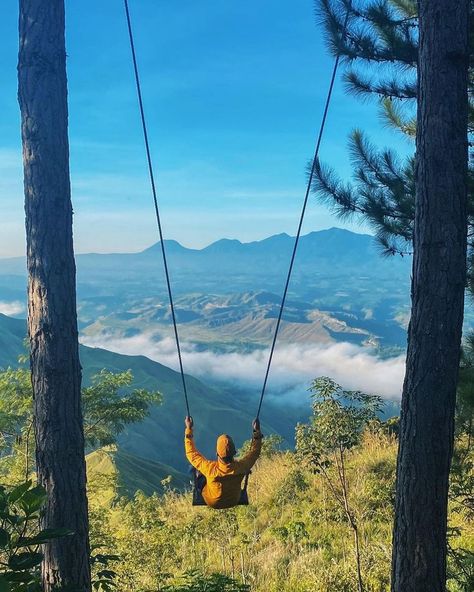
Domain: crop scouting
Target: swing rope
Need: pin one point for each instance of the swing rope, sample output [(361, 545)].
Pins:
[(303, 211), (155, 201), (300, 224)]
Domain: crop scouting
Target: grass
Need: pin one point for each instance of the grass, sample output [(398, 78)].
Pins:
[(292, 538)]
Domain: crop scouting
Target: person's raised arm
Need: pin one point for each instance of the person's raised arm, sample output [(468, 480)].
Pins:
[(195, 458), (255, 448)]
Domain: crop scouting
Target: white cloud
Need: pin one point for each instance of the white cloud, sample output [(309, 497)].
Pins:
[(293, 367), (12, 308)]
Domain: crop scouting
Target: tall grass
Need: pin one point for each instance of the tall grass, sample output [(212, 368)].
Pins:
[(292, 538)]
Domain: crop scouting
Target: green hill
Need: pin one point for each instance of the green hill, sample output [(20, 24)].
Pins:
[(133, 473), (160, 437)]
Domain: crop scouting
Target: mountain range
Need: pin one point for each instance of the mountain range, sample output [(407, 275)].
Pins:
[(227, 294), (231, 266)]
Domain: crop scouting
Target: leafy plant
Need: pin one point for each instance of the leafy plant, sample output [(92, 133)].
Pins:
[(337, 424), (271, 444), (21, 538), (460, 566), (109, 404), (104, 577)]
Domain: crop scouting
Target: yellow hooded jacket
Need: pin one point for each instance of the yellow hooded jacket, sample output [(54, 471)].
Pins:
[(223, 481)]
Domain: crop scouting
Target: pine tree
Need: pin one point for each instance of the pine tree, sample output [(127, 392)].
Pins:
[(438, 286), (385, 39), (381, 49), (52, 323)]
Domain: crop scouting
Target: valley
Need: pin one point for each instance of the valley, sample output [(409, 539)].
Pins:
[(346, 315), (227, 294)]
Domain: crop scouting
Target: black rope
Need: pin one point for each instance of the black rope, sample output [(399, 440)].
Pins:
[(303, 211), (155, 200)]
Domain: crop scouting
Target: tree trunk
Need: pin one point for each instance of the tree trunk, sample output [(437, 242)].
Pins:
[(439, 277), (52, 322)]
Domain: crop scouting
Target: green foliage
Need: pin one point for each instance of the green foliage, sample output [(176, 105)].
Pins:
[(103, 574), (109, 405), (294, 482), (462, 470), (195, 581), (294, 532), (460, 569), (465, 398), (462, 480), (381, 46), (294, 537), (20, 537), (271, 445), (338, 422), (16, 424), (15, 403)]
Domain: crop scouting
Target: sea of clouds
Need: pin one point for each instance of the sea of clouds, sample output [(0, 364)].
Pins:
[(12, 308), (293, 368)]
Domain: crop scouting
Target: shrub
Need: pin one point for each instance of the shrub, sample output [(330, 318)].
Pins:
[(20, 537)]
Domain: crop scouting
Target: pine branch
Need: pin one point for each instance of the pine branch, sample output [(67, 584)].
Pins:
[(381, 43), (383, 213), (405, 183), (391, 247), (398, 36), (330, 190), (365, 199), (471, 117), (390, 88), (354, 44), (393, 115), (365, 157), (372, 35)]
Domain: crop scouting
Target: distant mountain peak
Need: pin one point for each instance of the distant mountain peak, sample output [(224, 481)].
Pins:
[(170, 245), (223, 244), (227, 241), (282, 236), (336, 230), (279, 235)]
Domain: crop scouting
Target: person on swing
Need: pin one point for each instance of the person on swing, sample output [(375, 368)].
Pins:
[(221, 479)]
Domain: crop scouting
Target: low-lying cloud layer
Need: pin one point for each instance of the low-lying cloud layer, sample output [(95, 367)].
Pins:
[(12, 308), (293, 365)]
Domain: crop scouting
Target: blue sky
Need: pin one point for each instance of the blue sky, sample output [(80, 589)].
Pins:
[(234, 93)]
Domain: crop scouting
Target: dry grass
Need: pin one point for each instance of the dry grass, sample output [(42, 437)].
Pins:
[(294, 537)]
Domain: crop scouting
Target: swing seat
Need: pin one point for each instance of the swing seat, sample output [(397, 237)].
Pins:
[(198, 500)]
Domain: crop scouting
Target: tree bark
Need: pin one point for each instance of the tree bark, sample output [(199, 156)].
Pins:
[(52, 321), (439, 278)]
